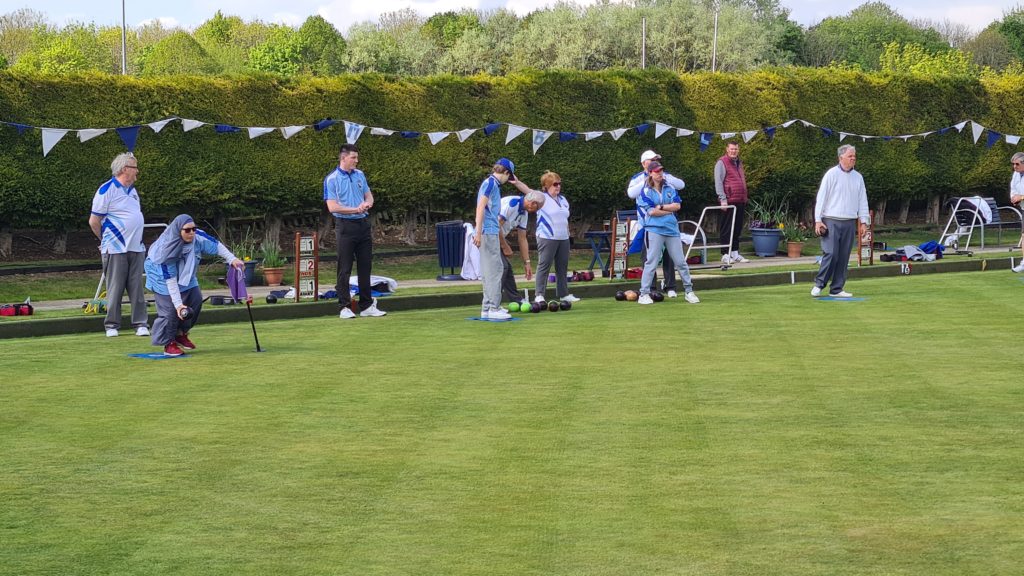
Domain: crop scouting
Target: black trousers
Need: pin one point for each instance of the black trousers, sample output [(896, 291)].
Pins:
[(723, 229), (355, 243), (509, 290)]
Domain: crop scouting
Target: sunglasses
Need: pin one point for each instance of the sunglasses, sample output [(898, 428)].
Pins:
[(1015, 163), (556, 183), (189, 230)]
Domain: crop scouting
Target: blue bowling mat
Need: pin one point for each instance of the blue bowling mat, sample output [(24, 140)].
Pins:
[(834, 299), (157, 356), (492, 320)]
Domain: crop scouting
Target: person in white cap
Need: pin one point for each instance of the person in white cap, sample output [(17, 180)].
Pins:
[(633, 190)]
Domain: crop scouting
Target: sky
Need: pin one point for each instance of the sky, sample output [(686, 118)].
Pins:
[(344, 13)]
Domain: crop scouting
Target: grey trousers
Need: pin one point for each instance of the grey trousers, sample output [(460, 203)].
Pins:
[(125, 271), (673, 246), (167, 324), (491, 269), (557, 252), (835, 253)]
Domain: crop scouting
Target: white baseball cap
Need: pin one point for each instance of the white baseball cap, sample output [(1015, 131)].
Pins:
[(649, 155)]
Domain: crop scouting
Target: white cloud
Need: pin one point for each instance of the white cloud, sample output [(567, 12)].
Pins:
[(977, 16), (287, 18), (345, 13)]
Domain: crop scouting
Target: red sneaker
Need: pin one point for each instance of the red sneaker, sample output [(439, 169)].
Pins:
[(172, 349), (184, 342)]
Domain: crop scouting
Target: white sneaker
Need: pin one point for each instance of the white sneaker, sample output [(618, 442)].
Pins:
[(346, 314), (726, 259), (497, 314), (142, 331), (372, 311), (1019, 267), (691, 298), (570, 298), (843, 294), (671, 294), (737, 257), (539, 298), (645, 299), (815, 291), (111, 332)]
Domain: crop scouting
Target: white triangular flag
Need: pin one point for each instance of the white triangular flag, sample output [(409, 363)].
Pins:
[(257, 132), (618, 132), (513, 132), (1012, 140), (463, 134), (905, 137), (808, 124), (381, 132), (683, 132), (539, 138), (926, 134), (749, 135), (842, 136), (436, 137), (353, 131), (727, 135), (788, 123), (976, 129), (960, 127), (90, 133), (660, 129), (865, 138), (588, 136), (187, 124), (50, 138), (289, 131), (159, 124)]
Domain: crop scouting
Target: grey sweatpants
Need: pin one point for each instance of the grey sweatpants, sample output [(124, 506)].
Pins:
[(125, 271), (557, 252), (673, 246), (167, 324), (835, 253), (491, 270)]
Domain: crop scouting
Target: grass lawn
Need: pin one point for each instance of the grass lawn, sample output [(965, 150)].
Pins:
[(758, 433)]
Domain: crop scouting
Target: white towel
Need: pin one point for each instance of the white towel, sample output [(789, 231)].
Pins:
[(471, 255)]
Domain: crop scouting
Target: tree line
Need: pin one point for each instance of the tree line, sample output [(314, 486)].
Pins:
[(752, 34)]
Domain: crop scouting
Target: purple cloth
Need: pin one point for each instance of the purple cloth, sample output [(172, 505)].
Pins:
[(236, 283)]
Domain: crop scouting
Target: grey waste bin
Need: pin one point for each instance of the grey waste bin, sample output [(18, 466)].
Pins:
[(451, 248)]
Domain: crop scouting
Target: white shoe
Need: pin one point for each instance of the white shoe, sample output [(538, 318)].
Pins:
[(691, 298), (142, 331), (372, 311), (843, 294), (736, 257), (570, 298), (111, 332), (1019, 267), (346, 314), (539, 299), (726, 259), (497, 314), (815, 291), (671, 294), (645, 299)]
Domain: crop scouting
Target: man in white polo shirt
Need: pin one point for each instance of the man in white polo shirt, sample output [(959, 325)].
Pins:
[(117, 221), (842, 202)]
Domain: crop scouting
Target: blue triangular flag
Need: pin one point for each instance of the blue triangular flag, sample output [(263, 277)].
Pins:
[(226, 128), (993, 137), (705, 140), (129, 134), (827, 132), (769, 132), (944, 130), (491, 128), (886, 138), (324, 124), (409, 134), (566, 136), (21, 128), (642, 128)]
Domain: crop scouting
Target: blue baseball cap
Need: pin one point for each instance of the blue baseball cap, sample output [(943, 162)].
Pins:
[(507, 164)]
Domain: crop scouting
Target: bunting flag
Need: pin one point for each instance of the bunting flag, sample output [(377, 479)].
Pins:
[(588, 136), (324, 124), (566, 136), (827, 132), (769, 133), (660, 129), (463, 134), (617, 133), (680, 132), (944, 130), (705, 140), (381, 132), (226, 129), (960, 127), (808, 124), (289, 131), (993, 137), (50, 138), (257, 132), (90, 133), (749, 135), (409, 134), (539, 138), (436, 137), (491, 129), (976, 130), (353, 131), (1012, 140), (513, 132), (188, 125), (129, 135), (842, 136), (788, 123), (159, 125), (727, 135), (642, 128)]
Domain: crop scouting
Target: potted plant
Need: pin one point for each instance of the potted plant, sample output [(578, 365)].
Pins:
[(273, 264), (795, 233), (244, 248), (766, 215)]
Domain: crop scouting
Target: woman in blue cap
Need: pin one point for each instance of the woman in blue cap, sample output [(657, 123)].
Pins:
[(171, 267)]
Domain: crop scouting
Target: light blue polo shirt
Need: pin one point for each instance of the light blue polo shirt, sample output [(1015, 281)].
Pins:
[(491, 189), (348, 189), (649, 198), (121, 218), (157, 275)]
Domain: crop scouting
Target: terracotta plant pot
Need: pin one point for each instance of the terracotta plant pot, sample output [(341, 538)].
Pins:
[(793, 249), (273, 276)]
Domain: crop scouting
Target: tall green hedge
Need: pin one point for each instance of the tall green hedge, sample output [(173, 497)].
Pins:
[(210, 174)]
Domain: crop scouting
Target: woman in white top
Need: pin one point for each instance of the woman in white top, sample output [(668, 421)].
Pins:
[(1016, 195), (553, 238)]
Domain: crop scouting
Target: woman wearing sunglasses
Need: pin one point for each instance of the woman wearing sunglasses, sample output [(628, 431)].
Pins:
[(171, 268), (1016, 195), (553, 239)]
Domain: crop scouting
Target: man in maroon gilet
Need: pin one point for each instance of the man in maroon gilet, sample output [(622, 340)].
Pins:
[(731, 187)]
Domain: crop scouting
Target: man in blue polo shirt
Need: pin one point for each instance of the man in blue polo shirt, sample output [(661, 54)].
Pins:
[(116, 219), (349, 199)]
